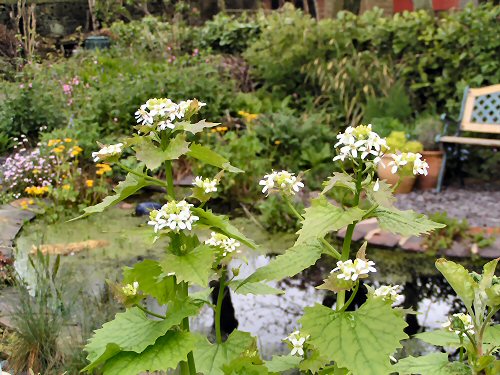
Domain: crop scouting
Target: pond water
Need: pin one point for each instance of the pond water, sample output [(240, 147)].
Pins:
[(124, 240)]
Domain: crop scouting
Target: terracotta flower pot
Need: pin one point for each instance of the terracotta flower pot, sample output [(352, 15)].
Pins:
[(384, 173), (435, 161)]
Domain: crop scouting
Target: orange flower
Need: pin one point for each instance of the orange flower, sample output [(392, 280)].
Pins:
[(89, 183), (103, 168)]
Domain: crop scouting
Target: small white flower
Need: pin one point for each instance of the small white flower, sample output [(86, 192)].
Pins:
[(376, 186), (284, 182), (173, 215), (360, 142), (226, 244), (419, 165), (107, 151), (297, 340), (208, 185), (388, 292), (130, 289), (350, 270), (455, 322)]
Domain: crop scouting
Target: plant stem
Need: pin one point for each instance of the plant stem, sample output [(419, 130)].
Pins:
[(346, 246), (218, 308), (481, 330), (187, 368), (150, 312), (170, 178), (351, 298), (145, 176), (325, 243)]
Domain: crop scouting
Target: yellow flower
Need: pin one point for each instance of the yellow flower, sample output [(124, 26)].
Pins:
[(76, 150), (36, 171), (66, 187), (68, 140), (103, 168), (89, 183), (59, 149), (277, 142), (37, 190), (249, 117), (31, 201), (53, 142)]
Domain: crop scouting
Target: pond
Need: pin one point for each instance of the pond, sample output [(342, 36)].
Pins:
[(99, 246)]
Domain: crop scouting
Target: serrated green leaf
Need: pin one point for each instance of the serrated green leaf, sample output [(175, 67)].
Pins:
[(245, 366), (323, 217), (242, 287), (149, 275), (491, 337), (206, 155), (431, 364), (440, 337), (197, 127), (210, 358), (164, 354), (459, 278), (133, 331), (492, 292), (383, 196), (194, 266), (153, 156), (293, 261), (283, 363), (131, 185), (407, 223), (221, 224), (340, 179), (360, 341)]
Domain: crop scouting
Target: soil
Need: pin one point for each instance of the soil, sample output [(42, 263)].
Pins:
[(480, 205)]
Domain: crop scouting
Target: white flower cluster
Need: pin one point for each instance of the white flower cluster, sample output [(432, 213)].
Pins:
[(360, 142), (226, 244), (455, 322), (130, 289), (388, 292), (173, 215), (283, 181), (161, 113), (297, 340), (420, 166), (350, 270), (208, 185), (108, 151)]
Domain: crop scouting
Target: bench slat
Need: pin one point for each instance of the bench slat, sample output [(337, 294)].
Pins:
[(471, 141)]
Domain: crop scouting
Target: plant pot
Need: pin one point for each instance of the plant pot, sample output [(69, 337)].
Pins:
[(435, 161), (384, 173)]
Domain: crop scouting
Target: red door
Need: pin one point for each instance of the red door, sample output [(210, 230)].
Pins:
[(445, 4), (402, 5)]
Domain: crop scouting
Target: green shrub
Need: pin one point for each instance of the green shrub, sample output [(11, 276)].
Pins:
[(228, 34)]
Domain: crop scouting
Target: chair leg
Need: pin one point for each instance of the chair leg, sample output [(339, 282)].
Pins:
[(442, 171), (458, 152)]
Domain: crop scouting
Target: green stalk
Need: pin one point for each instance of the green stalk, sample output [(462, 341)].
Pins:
[(145, 176), (325, 243), (170, 179), (187, 368), (481, 331), (351, 298), (218, 308), (346, 246), (150, 312)]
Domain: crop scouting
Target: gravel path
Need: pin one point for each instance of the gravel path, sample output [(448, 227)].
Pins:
[(481, 207)]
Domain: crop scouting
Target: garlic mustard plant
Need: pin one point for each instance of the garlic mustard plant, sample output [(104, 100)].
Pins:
[(140, 340), (347, 342)]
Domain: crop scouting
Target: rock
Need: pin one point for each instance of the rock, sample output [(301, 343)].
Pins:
[(146, 207)]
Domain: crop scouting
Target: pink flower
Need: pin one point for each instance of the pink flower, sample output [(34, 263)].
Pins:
[(67, 89), (30, 85), (21, 86)]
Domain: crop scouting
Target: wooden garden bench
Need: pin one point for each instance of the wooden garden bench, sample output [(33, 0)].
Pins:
[(480, 113)]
